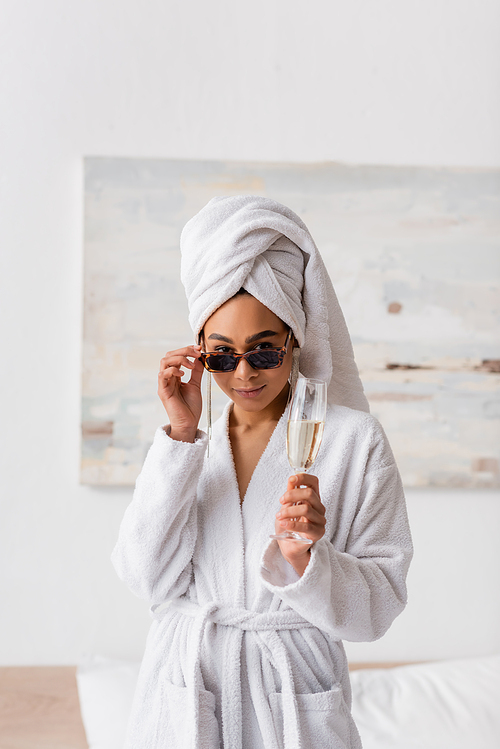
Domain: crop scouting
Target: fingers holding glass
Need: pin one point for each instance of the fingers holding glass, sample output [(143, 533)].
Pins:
[(302, 512)]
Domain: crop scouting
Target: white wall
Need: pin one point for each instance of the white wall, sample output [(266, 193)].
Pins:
[(394, 82)]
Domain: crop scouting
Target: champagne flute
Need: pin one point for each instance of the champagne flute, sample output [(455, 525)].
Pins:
[(306, 423)]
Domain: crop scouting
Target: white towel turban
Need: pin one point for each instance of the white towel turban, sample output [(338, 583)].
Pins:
[(262, 246)]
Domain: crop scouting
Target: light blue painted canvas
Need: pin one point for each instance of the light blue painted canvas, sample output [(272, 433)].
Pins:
[(414, 255)]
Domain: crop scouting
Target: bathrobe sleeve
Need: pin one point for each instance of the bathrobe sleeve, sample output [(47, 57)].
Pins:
[(356, 593), (158, 531)]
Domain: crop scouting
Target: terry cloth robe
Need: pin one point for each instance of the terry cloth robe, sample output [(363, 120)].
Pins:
[(243, 653)]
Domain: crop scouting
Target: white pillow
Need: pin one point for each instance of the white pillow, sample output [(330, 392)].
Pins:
[(444, 705), (106, 688)]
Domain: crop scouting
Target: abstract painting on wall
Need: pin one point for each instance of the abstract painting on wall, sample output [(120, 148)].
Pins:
[(414, 256)]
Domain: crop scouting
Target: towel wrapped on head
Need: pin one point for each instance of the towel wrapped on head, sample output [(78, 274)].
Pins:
[(260, 245)]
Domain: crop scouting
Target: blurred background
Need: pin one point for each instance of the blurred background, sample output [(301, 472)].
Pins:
[(396, 82)]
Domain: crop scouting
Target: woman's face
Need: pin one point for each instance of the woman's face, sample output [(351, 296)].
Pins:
[(243, 324)]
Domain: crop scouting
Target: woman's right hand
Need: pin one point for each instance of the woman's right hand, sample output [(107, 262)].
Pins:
[(182, 400)]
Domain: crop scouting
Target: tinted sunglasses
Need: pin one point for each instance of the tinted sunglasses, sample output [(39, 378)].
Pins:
[(270, 358)]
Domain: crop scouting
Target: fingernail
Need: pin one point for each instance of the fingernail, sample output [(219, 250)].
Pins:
[(282, 523), (278, 514)]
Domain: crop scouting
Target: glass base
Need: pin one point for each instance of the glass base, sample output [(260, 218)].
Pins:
[(292, 536)]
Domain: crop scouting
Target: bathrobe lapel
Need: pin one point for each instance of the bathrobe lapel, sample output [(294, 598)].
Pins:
[(261, 503), (231, 536), (220, 544)]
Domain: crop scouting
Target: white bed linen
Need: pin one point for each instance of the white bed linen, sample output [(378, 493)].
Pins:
[(444, 705)]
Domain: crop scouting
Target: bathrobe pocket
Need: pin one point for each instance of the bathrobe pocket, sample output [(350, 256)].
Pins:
[(324, 719), (177, 728)]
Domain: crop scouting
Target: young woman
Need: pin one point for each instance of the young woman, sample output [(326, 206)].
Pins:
[(245, 651)]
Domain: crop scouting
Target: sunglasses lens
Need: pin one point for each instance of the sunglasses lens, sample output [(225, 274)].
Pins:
[(264, 359), (221, 362)]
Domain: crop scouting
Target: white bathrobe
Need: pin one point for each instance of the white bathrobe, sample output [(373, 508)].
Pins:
[(243, 653)]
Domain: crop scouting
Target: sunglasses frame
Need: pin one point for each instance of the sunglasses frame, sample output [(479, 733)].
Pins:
[(237, 357)]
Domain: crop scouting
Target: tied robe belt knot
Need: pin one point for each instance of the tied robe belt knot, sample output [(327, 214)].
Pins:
[(265, 627)]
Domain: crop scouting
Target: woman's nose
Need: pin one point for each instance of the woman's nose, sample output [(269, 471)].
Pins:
[(244, 371)]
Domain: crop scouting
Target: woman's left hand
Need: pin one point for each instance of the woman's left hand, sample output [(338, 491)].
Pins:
[(300, 501)]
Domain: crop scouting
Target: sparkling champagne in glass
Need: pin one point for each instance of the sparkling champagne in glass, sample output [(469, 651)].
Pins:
[(306, 423)]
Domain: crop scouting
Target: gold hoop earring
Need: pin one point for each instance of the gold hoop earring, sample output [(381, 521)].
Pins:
[(208, 399), (209, 411), (294, 373)]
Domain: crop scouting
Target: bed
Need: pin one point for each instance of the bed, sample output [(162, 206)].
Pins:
[(442, 705), (40, 709)]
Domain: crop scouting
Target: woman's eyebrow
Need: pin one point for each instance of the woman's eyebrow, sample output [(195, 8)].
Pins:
[(258, 336), (250, 339), (219, 337)]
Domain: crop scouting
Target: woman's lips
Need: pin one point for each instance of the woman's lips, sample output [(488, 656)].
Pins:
[(253, 393)]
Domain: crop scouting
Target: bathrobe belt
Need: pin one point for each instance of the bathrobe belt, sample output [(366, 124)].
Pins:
[(265, 626)]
